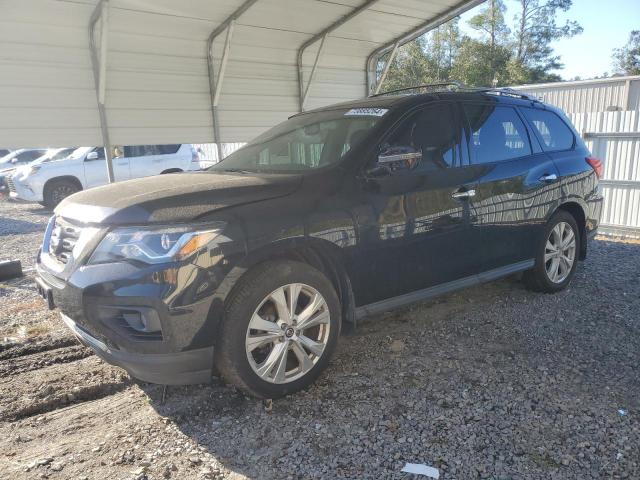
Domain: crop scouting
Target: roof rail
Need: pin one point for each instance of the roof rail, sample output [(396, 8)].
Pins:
[(504, 91), (436, 87)]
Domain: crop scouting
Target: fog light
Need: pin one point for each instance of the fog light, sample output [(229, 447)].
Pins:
[(135, 320), (142, 320)]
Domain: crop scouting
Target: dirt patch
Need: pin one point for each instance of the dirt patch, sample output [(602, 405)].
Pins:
[(51, 387), (45, 358)]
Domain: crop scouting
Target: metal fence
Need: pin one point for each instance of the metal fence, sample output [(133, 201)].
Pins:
[(614, 138)]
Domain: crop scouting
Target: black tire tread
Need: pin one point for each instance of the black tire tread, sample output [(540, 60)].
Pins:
[(241, 294), (50, 186), (535, 279)]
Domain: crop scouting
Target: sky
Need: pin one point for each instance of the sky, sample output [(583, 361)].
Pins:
[(607, 25)]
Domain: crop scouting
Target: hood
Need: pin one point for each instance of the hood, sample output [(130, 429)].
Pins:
[(4, 170), (178, 197)]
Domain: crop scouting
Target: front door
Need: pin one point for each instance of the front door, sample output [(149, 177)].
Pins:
[(421, 234), (517, 188)]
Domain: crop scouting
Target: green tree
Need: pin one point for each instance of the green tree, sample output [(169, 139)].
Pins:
[(490, 22), (479, 65), (536, 28), (441, 47), (626, 60), (410, 67)]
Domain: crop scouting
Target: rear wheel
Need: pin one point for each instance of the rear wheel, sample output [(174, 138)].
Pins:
[(57, 190), (280, 328), (557, 255)]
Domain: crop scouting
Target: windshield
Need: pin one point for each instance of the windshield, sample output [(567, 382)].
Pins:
[(80, 152), (10, 156), (54, 154), (303, 143)]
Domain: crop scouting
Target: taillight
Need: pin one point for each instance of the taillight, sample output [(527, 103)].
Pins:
[(596, 165)]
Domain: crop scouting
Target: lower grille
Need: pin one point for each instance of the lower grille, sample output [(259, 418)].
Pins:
[(64, 236)]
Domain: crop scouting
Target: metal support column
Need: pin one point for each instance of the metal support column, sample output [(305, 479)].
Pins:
[(304, 90), (313, 73), (387, 66), (99, 64), (215, 85)]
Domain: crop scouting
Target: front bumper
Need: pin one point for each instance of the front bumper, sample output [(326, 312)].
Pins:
[(181, 368), (25, 192)]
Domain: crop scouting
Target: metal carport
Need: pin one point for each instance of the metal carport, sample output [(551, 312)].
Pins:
[(168, 71)]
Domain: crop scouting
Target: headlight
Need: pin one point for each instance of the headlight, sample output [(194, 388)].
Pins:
[(153, 245)]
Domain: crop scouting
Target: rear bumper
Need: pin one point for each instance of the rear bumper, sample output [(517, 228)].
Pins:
[(182, 368)]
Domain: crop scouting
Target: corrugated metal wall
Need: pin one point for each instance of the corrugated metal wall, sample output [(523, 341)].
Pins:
[(614, 137), (601, 95)]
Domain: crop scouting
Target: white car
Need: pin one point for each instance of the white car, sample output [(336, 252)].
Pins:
[(49, 182)]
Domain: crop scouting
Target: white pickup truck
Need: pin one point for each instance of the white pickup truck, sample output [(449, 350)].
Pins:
[(49, 182)]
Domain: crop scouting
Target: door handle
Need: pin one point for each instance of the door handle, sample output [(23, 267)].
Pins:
[(463, 194), (549, 177)]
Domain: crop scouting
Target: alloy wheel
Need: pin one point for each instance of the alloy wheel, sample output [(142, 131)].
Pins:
[(560, 252), (61, 192), (288, 333)]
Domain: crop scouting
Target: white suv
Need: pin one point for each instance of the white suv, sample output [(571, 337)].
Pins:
[(49, 182)]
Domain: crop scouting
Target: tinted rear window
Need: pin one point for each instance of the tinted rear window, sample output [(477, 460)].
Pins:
[(497, 134), (555, 134)]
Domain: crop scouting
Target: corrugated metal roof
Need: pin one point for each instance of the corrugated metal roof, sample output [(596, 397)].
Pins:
[(157, 84)]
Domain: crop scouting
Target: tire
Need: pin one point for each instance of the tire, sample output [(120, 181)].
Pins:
[(57, 190), (541, 277), (238, 359)]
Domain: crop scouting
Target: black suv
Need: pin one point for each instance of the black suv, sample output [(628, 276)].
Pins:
[(250, 268)]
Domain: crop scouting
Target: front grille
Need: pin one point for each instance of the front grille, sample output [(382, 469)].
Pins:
[(64, 236), (9, 182)]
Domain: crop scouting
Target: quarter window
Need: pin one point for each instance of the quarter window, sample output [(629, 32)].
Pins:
[(496, 134), (555, 134)]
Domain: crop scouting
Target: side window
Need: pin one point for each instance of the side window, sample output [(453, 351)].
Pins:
[(555, 134), (496, 134), (139, 150), (435, 132), (167, 149)]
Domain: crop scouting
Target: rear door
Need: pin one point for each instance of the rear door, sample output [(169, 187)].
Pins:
[(144, 160), (518, 186), (95, 169)]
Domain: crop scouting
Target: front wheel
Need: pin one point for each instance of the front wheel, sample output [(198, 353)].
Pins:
[(280, 328), (556, 256), (57, 190)]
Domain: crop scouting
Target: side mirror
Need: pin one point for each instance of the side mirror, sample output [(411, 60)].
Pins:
[(92, 156), (399, 158), (14, 160)]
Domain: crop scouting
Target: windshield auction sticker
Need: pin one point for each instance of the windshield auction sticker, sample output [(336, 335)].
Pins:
[(366, 112)]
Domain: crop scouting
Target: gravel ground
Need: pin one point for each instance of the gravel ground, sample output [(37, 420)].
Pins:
[(491, 382), (21, 229)]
